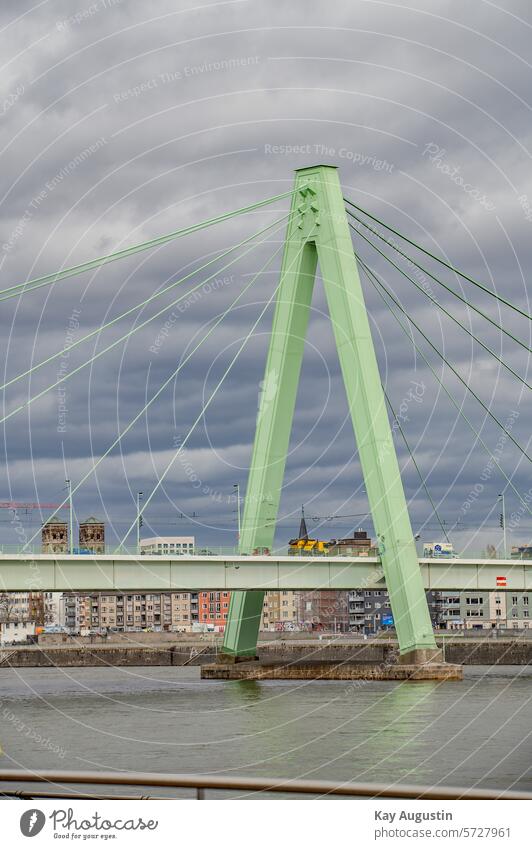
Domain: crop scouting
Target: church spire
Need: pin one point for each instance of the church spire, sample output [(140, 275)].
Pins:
[(303, 533)]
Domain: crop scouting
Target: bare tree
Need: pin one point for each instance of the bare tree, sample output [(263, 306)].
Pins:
[(7, 604)]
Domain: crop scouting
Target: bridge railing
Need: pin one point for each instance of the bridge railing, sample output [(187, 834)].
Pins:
[(237, 786), (226, 551)]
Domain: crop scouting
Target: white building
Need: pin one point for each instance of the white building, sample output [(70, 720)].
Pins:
[(15, 632), (52, 608), (165, 546)]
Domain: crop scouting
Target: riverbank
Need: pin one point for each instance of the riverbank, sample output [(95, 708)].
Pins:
[(198, 653)]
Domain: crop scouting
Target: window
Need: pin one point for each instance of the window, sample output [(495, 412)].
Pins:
[(514, 599), (525, 614)]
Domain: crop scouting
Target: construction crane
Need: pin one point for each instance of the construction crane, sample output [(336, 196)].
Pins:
[(26, 508)]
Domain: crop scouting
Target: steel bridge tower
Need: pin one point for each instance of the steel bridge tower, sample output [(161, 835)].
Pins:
[(318, 232)]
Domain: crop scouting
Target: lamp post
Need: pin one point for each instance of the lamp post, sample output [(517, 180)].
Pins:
[(502, 522), (70, 517), (139, 520), (236, 487)]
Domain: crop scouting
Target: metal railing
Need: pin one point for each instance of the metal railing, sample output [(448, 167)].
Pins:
[(231, 551), (201, 783)]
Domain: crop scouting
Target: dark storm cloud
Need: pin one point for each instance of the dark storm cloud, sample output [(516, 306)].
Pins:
[(122, 121)]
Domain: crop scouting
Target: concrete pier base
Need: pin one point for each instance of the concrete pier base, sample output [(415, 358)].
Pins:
[(421, 656), (331, 671)]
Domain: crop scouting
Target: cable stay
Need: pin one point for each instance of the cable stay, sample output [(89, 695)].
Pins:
[(68, 348), (47, 279), (209, 400), (377, 286), (126, 335), (441, 261), (448, 364), (412, 457), (448, 314), (436, 280), (166, 383)]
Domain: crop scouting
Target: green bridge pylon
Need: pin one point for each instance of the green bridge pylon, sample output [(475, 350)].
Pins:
[(318, 232)]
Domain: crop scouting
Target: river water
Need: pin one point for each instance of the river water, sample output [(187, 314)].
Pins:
[(474, 732)]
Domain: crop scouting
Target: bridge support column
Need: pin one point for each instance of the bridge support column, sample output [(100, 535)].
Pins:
[(318, 231)]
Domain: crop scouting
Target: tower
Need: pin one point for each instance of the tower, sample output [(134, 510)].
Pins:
[(318, 231), (92, 535), (54, 536)]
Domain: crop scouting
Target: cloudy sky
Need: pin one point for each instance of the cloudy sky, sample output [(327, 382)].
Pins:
[(123, 120)]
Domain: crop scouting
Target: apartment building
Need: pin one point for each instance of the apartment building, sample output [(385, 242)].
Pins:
[(280, 611), (370, 610), (324, 610), (83, 613), (14, 607), (504, 609), (52, 604), (214, 608)]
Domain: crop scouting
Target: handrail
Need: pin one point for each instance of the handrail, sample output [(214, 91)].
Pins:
[(200, 783)]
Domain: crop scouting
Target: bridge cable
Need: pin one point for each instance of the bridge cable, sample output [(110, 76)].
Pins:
[(448, 314), (422, 479), (436, 280), (66, 350), (47, 279), (369, 274), (440, 260), (130, 332), (166, 383), (455, 372), (212, 395)]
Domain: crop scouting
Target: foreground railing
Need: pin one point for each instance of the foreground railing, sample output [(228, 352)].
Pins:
[(245, 786)]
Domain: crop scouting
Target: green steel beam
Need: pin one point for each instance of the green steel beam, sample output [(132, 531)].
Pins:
[(126, 573), (319, 231)]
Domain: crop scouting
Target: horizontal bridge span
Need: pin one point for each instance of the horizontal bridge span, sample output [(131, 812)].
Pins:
[(124, 573)]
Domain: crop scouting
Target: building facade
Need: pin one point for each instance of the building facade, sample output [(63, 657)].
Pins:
[(280, 611), (92, 536), (83, 613), (213, 609), (503, 609), (166, 546), (370, 610), (54, 536)]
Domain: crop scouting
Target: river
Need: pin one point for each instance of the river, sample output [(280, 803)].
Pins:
[(473, 732)]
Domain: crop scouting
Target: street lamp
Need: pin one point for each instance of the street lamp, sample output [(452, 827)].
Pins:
[(70, 517), (139, 520), (236, 487), (502, 522)]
